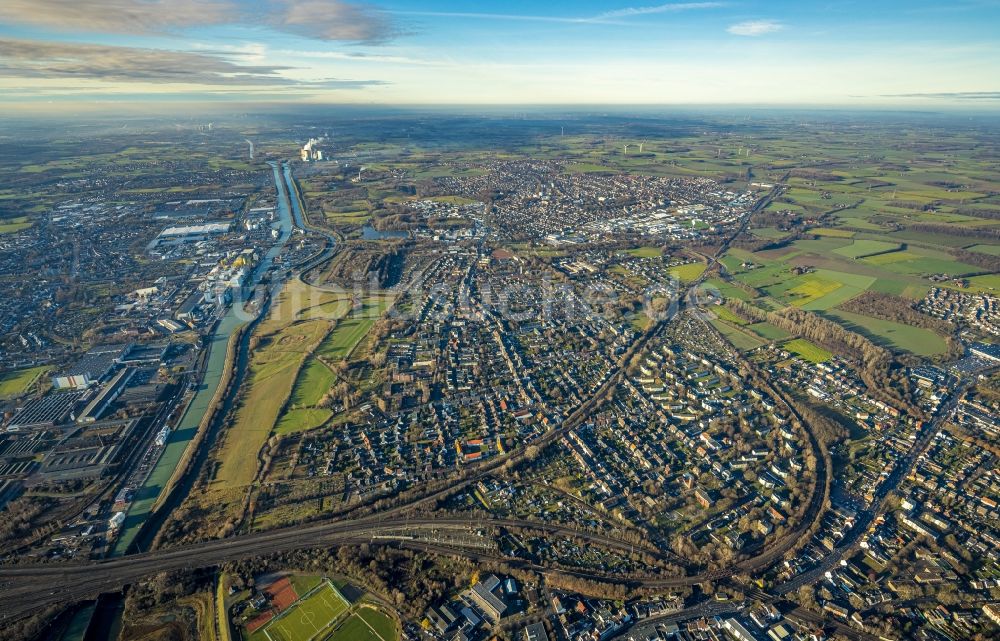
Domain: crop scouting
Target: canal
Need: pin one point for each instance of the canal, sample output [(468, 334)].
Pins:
[(182, 436)]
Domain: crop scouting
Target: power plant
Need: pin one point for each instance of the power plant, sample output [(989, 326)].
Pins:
[(311, 150)]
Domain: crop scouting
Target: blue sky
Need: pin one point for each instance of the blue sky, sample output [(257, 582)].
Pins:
[(842, 53)]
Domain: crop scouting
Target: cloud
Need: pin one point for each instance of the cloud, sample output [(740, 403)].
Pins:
[(115, 16), (368, 58), (64, 61), (334, 20), (953, 95), (662, 8), (320, 19), (608, 17), (755, 28)]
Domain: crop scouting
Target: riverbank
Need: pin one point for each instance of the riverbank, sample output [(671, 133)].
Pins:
[(217, 364)]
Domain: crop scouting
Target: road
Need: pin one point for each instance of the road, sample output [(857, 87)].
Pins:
[(866, 516), (27, 588), (846, 547)]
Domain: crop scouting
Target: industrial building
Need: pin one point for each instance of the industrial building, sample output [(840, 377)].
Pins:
[(482, 595), (93, 367), (47, 411), (311, 150), (100, 403)]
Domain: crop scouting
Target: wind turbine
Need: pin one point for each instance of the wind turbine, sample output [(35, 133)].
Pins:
[(626, 150), (641, 145)]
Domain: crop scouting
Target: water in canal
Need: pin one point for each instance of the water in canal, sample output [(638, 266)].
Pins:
[(181, 437)]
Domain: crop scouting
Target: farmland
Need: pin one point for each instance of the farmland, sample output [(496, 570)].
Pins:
[(916, 340), (863, 248)]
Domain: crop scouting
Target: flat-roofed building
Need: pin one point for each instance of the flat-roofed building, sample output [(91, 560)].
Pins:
[(482, 595)]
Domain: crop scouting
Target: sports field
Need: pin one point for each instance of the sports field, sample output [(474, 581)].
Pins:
[(311, 617), (367, 624)]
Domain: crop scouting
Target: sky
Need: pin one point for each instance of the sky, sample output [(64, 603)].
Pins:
[(72, 53)]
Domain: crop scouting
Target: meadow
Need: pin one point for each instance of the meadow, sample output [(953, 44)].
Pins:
[(646, 252), (13, 225), (740, 338), (916, 340), (18, 382), (688, 273), (808, 351)]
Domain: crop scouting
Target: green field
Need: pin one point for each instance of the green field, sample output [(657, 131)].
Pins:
[(689, 272), (726, 290), (928, 266), (367, 624), (741, 340), (769, 331), (646, 252), (588, 168), (989, 283), (769, 233), (862, 248), (992, 250), (341, 341), (860, 223), (821, 289), (833, 233), (302, 420), (808, 351), (724, 313), (916, 340), (452, 200), (310, 617), (891, 257), (15, 383), (12, 225), (314, 381)]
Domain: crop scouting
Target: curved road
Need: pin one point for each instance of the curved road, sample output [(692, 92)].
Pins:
[(26, 588)]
